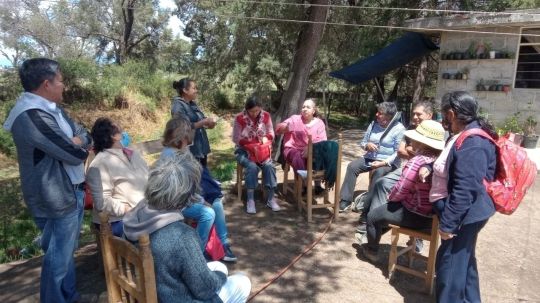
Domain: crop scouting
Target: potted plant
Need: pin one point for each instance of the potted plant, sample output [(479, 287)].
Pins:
[(530, 138), (465, 73), (480, 85), (512, 125)]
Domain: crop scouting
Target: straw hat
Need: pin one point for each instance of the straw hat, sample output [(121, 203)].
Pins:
[(429, 132)]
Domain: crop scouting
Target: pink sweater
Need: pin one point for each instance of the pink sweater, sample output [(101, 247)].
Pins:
[(297, 137), (412, 193), (439, 183)]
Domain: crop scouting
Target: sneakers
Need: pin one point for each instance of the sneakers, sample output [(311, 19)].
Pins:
[(229, 256), (361, 228), (344, 206), (358, 204), (361, 238), (250, 207), (273, 204)]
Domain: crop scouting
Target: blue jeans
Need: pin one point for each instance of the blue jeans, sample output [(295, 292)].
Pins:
[(219, 221), (204, 216), (251, 171), (59, 241)]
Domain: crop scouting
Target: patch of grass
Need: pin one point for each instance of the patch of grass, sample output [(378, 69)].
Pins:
[(346, 121)]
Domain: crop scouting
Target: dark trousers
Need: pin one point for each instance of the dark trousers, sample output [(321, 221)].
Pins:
[(392, 213), (457, 276), (354, 169)]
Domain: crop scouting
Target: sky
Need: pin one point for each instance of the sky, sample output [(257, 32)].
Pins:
[(174, 24)]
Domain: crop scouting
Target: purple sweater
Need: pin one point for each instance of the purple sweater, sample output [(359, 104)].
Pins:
[(413, 194)]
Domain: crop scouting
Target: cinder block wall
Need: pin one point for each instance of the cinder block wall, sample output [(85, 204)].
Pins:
[(498, 105)]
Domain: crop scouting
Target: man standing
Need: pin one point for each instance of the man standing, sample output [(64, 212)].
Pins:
[(51, 150)]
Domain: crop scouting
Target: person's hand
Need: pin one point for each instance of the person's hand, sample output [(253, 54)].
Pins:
[(423, 174), (127, 208), (372, 147), (445, 235), (377, 164), (210, 122), (284, 128), (264, 140), (76, 140)]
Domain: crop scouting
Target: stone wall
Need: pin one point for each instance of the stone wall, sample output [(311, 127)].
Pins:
[(498, 105)]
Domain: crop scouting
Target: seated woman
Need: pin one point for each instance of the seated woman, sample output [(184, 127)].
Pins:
[(117, 175), (253, 126), (182, 274), (178, 136), (296, 130), (408, 202), (381, 141)]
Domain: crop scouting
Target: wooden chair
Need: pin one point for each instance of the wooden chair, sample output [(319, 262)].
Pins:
[(433, 237), (129, 271), (287, 186), (311, 201)]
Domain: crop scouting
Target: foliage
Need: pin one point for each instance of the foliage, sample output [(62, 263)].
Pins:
[(224, 170), (510, 124), (529, 126)]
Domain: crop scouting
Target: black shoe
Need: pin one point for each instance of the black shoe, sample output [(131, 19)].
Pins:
[(318, 190), (344, 206), (361, 229), (229, 256)]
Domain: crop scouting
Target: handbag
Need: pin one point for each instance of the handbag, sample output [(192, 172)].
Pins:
[(214, 247), (88, 200), (258, 152)]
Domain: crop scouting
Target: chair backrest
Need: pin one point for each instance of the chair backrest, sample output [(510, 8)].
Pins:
[(129, 270), (148, 147)]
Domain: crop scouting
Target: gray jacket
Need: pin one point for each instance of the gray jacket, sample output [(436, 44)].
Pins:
[(42, 149)]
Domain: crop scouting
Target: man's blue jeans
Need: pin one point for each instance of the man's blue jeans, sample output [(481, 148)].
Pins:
[(59, 241), (205, 217)]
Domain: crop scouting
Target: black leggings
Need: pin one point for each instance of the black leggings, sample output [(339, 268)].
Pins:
[(392, 213)]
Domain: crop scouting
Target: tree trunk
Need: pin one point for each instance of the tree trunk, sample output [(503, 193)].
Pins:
[(128, 18), (420, 81), (306, 47)]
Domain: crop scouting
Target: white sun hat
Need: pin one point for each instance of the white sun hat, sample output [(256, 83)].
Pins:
[(428, 132)]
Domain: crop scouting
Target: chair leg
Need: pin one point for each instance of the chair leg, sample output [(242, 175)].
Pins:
[(298, 192), (392, 259), (432, 258), (239, 172), (309, 200), (286, 179)]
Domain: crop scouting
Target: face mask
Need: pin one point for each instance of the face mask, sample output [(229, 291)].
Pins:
[(126, 139)]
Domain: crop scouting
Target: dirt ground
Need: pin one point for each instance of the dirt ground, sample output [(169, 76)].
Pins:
[(333, 271)]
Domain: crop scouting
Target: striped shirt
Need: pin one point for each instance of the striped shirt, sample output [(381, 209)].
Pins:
[(412, 193)]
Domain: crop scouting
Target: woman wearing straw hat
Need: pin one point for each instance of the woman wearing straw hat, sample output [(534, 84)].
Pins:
[(409, 204)]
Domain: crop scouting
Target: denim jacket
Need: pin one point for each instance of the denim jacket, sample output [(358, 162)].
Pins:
[(201, 146)]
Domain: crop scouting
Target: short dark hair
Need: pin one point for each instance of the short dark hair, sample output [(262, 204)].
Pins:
[(177, 129), (102, 132), (426, 104), (181, 84), (387, 108), (34, 71), (252, 102)]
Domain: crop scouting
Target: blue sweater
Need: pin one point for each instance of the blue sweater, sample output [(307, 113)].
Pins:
[(181, 271), (468, 201)]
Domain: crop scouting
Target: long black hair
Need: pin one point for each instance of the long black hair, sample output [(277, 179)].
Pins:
[(466, 109)]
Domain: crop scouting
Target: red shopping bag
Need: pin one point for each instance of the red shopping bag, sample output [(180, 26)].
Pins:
[(214, 247)]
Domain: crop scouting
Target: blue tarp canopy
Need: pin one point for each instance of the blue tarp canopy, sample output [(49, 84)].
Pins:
[(402, 51)]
